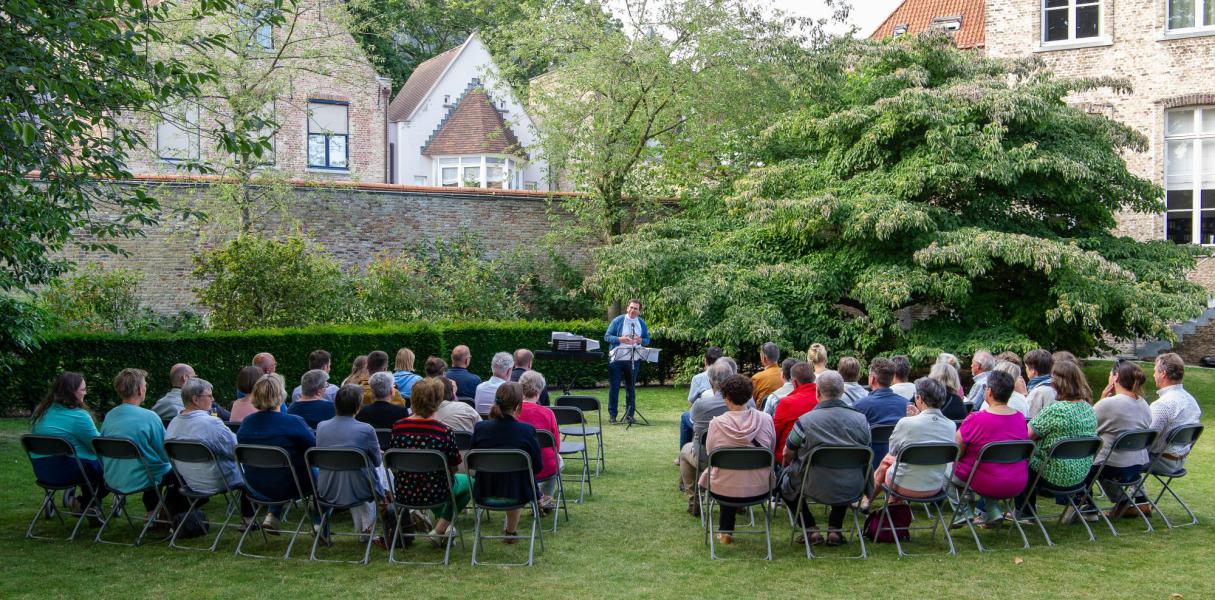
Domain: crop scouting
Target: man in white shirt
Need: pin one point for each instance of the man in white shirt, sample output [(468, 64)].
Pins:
[(902, 372), (980, 366), (500, 365), (1173, 408), (700, 385)]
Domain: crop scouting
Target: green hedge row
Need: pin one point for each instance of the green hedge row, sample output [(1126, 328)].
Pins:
[(217, 356)]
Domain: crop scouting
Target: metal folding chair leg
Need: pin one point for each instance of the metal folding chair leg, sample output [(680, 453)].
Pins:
[(1166, 486), (47, 510), (537, 532)]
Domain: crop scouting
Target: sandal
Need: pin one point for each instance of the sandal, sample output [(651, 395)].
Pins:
[(816, 538), (510, 540), (836, 538)]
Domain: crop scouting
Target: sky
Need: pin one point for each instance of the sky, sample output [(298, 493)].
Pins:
[(866, 14)]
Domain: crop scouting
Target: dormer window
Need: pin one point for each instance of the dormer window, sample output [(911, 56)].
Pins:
[(947, 24), (900, 29)]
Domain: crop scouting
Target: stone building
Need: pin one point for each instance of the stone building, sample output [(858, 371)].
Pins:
[(329, 103)]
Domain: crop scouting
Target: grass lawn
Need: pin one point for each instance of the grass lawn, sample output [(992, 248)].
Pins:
[(633, 539)]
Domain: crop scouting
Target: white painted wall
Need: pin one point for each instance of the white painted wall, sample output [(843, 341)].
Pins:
[(472, 62)]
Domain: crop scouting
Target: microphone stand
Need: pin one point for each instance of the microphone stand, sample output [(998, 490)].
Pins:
[(634, 416)]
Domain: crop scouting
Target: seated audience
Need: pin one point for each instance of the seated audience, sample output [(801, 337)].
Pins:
[(523, 364), (318, 359), (542, 418), (927, 426), (1174, 407), (773, 399), (271, 427), (344, 431), (382, 413), (243, 406), (981, 365), (404, 375), (63, 413), (831, 423), (143, 427), (197, 424), (817, 357), (358, 371), (1017, 401), (703, 411), (882, 406), (699, 386), (504, 431), (466, 381), (741, 426), (1121, 408), (500, 365), (767, 380), (803, 399), (312, 405), (1068, 417), (1038, 364), (377, 362), (170, 404), (955, 405), (421, 431), (902, 372), (850, 370), (952, 361), (998, 423)]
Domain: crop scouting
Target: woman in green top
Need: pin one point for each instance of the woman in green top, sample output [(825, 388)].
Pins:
[(1070, 416), (64, 414)]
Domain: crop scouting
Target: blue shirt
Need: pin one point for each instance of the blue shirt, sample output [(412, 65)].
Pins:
[(289, 432), (330, 392), (75, 424), (405, 381), (346, 432), (882, 407), (466, 381), (198, 426), (312, 411), (616, 329), (146, 429)]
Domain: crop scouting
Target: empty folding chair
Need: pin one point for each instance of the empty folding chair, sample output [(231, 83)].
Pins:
[(1186, 436), (1070, 448), (739, 459), (123, 449), (586, 404), (928, 454), (545, 440), (1128, 441), (503, 461), (838, 460), (421, 462), (186, 455), (270, 482), (572, 416), (50, 445), (345, 480), (1000, 453)]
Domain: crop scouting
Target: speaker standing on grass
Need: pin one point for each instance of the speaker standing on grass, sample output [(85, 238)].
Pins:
[(627, 329)]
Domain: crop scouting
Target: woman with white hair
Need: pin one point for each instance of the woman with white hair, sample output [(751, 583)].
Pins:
[(955, 406), (1017, 401)]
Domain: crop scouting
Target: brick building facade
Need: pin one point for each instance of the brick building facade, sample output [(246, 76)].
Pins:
[(326, 97)]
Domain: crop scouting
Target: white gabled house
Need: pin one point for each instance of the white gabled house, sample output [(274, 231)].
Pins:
[(456, 124)]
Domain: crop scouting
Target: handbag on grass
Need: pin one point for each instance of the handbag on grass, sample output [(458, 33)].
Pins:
[(877, 528)]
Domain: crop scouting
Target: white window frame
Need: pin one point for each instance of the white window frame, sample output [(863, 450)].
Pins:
[(1071, 22), (188, 126), (1197, 136), (327, 136), (512, 177), (1199, 11)]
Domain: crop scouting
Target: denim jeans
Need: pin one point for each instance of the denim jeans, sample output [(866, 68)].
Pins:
[(622, 370), (685, 428)]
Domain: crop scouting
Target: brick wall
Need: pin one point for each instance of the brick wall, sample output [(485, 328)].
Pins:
[(1164, 72), (352, 222)]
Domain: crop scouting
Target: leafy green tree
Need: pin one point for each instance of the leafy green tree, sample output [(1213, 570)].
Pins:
[(70, 70), (923, 199)]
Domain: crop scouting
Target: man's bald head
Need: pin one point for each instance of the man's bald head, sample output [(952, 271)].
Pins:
[(179, 374), (523, 358), (460, 356), (265, 361)]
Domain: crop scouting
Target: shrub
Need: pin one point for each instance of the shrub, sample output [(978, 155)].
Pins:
[(96, 299)]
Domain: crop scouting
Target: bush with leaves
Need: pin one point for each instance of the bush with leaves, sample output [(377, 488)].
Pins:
[(916, 177), (96, 299)]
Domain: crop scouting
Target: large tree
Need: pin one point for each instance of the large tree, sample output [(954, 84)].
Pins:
[(71, 68), (918, 187)]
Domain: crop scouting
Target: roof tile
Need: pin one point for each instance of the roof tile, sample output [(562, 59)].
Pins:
[(473, 126), (917, 16), (418, 84)]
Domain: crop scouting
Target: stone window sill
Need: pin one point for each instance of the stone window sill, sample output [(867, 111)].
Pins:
[(1074, 45), (1183, 35)]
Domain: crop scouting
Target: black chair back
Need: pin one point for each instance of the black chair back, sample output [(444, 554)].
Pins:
[(384, 436), (116, 448), (1079, 447), (582, 403), (1003, 453), (880, 434), (463, 440), (841, 457), (741, 459), (166, 422), (415, 460), (1186, 435), (928, 454), (337, 459), (263, 457), (568, 415), (50, 445), (498, 461), (233, 425), (1134, 440), (545, 439), (188, 451), (469, 401)]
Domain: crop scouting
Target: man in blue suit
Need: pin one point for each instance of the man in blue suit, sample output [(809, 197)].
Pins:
[(628, 329)]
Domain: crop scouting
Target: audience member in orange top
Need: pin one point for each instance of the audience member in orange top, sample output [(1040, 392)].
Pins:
[(802, 400)]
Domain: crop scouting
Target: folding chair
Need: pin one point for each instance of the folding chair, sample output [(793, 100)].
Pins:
[(384, 437), (879, 434), (51, 445), (997, 453), (467, 400), (572, 416), (116, 448), (837, 458), (928, 454), (586, 404), (545, 440), (1070, 448), (739, 459), (234, 426), (357, 469), (265, 460), (463, 440), (702, 462), (196, 453), (418, 461), (503, 462), (1186, 435), (1129, 441)]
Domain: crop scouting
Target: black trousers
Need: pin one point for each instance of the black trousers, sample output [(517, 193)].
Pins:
[(729, 513)]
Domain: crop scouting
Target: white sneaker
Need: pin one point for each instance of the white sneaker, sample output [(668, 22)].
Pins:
[(1069, 516), (270, 524)]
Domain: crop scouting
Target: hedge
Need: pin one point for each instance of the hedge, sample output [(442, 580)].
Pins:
[(217, 356)]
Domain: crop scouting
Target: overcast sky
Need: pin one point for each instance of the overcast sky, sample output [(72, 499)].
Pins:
[(866, 14)]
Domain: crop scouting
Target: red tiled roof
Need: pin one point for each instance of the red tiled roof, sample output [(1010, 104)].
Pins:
[(918, 15), (473, 126), (418, 84)]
